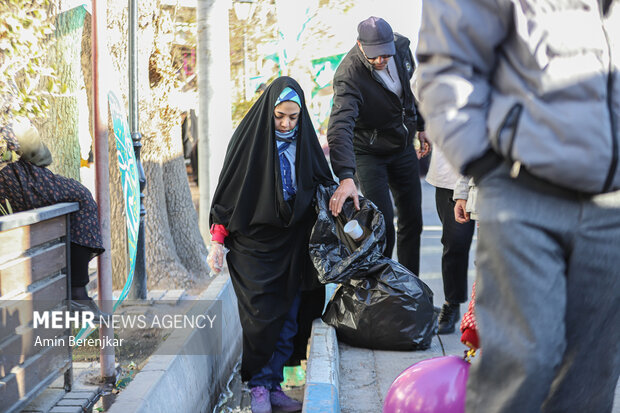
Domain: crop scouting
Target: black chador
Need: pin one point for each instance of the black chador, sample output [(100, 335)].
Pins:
[(268, 241)]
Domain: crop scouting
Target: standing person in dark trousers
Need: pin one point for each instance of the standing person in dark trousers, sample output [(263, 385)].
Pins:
[(456, 240), (524, 96), (371, 130)]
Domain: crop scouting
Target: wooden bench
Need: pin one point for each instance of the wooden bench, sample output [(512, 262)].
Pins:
[(35, 275)]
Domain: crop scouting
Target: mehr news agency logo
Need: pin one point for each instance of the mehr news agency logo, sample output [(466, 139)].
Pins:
[(57, 319)]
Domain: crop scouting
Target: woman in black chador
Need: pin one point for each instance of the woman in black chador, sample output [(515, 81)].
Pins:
[(262, 211)]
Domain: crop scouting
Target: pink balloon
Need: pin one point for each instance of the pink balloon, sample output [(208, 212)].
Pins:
[(435, 385)]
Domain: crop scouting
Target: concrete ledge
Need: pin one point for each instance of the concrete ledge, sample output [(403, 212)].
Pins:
[(186, 382), (322, 373)]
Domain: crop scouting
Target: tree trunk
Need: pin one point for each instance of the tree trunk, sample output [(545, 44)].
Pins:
[(60, 130), (175, 252), (120, 260), (193, 254), (117, 45)]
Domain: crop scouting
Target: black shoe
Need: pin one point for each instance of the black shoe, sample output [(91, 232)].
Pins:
[(450, 314), (89, 305)]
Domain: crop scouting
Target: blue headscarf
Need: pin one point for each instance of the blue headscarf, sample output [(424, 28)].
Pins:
[(288, 94), (286, 147)]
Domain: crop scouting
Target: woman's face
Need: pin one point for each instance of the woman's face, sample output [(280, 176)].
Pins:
[(286, 116)]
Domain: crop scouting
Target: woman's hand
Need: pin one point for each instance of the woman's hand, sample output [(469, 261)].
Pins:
[(215, 259)]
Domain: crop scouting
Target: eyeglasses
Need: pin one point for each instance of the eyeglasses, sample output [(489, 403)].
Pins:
[(383, 56)]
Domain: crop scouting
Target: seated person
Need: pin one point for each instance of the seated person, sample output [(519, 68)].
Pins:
[(26, 183)]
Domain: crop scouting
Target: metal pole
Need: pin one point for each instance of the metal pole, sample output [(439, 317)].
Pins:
[(138, 288), (102, 181)]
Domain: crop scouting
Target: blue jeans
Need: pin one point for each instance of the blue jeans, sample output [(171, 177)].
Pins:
[(271, 375)]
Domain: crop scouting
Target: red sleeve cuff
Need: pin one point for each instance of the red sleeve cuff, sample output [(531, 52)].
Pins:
[(471, 335), (218, 233)]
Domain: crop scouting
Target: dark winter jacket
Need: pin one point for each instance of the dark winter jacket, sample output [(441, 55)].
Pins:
[(367, 117)]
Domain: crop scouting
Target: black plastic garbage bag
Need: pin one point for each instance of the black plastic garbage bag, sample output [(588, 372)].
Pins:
[(388, 309), (380, 304), (334, 254)]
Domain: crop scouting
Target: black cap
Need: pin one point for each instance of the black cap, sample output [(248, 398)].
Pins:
[(376, 37)]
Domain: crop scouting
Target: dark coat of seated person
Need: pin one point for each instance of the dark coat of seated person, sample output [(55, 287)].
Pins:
[(26, 183)]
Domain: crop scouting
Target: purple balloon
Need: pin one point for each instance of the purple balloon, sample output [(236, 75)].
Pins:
[(435, 385)]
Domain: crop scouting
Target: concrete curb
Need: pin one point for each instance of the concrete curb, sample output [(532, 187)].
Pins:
[(322, 373), (186, 382)]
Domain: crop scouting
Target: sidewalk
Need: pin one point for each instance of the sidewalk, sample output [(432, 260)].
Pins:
[(364, 376)]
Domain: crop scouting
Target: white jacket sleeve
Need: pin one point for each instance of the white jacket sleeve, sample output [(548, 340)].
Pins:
[(456, 50), (461, 189)]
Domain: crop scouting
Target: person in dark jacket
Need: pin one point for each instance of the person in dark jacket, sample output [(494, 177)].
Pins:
[(371, 130)]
